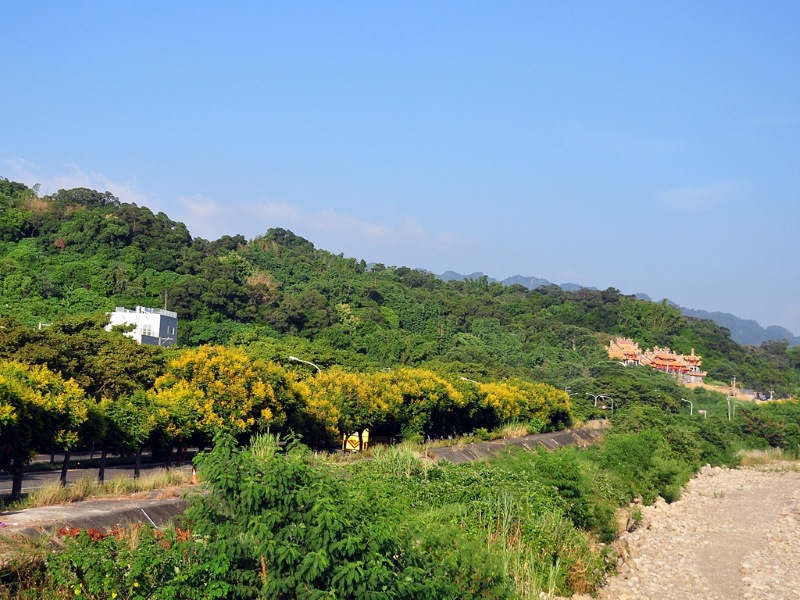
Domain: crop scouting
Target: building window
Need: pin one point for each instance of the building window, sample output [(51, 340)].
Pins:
[(147, 330)]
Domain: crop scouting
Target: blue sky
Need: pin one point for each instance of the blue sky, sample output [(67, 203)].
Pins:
[(651, 148)]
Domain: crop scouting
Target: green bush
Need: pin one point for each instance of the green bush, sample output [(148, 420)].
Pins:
[(505, 504), (130, 564), (644, 465), (269, 524), (290, 527), (536, 426)]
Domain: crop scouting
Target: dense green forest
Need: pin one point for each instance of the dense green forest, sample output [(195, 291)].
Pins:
[(79, 251), (392, 349)]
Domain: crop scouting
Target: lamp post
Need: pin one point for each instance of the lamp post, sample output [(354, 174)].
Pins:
[(596, 396), (612, 402), (307, 362), (691, 406)]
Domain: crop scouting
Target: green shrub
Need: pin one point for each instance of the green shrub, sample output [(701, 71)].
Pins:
[(644, 465), (131, 564), (291, 527), (536, 426), (481, 434)]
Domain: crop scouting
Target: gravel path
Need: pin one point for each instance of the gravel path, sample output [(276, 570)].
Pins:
[(734, 534)]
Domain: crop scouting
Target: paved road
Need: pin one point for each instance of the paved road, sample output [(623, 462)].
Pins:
[(36, 479)]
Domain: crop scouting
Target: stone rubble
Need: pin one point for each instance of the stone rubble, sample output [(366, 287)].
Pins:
[(733, 534)]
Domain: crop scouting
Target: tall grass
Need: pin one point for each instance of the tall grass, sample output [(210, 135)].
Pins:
[(515, 429), (403, 460), (764, 457), (89, 487), (533, 579), (749, 458), (543, 553), (22, 567)]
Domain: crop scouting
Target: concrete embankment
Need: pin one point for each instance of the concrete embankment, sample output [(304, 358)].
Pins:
[(589, 434), (157, 507)]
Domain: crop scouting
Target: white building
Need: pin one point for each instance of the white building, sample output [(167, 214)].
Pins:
[(154, 326)]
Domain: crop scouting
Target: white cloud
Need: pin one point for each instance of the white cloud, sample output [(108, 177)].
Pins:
[(73, 176), (699, 198), (198, 206), (329, 221), (405, 242), (412, 228), (400, 242), (274, 210)]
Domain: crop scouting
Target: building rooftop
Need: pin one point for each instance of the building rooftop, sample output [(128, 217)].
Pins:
[(143, 309)]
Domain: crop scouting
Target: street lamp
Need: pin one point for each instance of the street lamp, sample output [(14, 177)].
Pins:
[(596, 396), (470, 380), (691, 406), (612, 402), (307, 362)]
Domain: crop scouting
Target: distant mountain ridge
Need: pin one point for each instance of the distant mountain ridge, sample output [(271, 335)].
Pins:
[(746, 332), (529, 282)]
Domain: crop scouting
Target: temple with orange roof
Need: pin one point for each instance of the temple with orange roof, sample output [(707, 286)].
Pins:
[(685, 367)]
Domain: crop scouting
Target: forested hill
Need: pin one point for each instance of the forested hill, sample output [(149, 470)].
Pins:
[(746, 332), (80, 252)]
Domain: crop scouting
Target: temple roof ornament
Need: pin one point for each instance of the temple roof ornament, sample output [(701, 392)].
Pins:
[(662, 358)]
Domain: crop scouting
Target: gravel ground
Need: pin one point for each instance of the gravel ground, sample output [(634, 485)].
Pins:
[(734, 534)]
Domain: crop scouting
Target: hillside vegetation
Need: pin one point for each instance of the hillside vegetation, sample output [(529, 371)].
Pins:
[(391, 349), (79, 252)]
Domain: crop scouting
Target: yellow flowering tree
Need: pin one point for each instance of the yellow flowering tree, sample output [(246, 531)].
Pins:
[(518, 400), (428, 403), (346, 403), (543, 401), (212, 388), (37, 406), (504, 402), (321, 415)]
